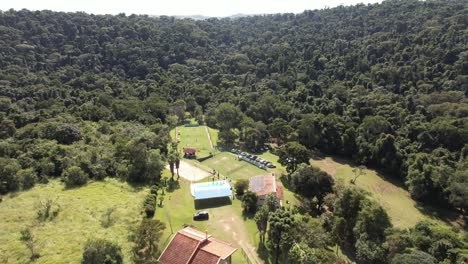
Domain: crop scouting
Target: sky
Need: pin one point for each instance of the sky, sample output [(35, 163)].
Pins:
[(214, 8)]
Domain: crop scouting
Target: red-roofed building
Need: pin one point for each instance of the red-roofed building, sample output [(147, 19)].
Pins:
[(264, 185), (190, 246), (190, 153)]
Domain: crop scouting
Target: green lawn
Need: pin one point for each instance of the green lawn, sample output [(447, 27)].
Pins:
[(227, 165), (194, 137), (62, 239)]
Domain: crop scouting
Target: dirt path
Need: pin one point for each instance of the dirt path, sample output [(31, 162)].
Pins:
[(191, 172), (209, 137), (230, 224)]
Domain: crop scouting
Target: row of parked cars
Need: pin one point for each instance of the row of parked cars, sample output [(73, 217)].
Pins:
[(253, 159)]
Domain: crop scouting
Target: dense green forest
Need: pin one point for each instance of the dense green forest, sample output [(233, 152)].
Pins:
[(91, 96)]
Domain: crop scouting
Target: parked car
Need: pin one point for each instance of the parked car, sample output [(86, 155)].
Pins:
[(243, 154), (201, 216), (271, 165), (233, 150)]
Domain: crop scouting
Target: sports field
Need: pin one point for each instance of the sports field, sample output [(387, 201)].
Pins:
[(195, 137)]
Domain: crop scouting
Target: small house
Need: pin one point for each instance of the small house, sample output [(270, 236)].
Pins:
[(190, 246), (189, 153), (264, 185)]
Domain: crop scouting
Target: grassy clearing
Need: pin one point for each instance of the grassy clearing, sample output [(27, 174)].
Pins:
[(194, 137), (62, 239), (402, 209), (227, 165)]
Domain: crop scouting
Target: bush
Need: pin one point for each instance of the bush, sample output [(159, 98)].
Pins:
[(74, 176), (154, 189), (102, 251), (146, 239), (149, 205), (47, 209), (26, 178), (241, 186)]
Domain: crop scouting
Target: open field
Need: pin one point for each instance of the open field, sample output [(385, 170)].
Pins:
[(62, 239), (194, 137), (226, 221), (402, 209), (227, 165)]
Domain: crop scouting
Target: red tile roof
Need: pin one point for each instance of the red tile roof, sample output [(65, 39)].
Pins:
[(203, 257), (190, 151), (190, 246), (180, 250)]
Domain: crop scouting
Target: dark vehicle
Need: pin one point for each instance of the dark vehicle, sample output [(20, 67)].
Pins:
[(201, 216), (271, 165)]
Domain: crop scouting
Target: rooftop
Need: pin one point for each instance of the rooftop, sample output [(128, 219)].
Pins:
[(190, 151), (263, 184), (191, 246)]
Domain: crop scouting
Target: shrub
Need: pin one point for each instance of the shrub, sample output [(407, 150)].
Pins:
[(241, 186), (101, 251), (47, 209), (149, 205), (146, 239), (154, 189), (74, 176), (26, 178)]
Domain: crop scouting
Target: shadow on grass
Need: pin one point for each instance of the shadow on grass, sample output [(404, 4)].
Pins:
[(172, 185), (247, 215), (212, 203), (448, 216), (263, 253)]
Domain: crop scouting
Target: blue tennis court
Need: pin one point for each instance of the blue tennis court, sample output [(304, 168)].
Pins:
[(207, 190)]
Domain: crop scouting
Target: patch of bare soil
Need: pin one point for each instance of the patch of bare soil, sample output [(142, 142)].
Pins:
[(326, 165)]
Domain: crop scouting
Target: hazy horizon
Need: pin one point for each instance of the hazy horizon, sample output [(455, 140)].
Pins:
[(211, 8)]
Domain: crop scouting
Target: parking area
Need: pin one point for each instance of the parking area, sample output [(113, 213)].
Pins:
[(253, 159)]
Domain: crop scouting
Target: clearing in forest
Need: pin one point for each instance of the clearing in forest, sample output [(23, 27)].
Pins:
[(402, 209), (194, 137)]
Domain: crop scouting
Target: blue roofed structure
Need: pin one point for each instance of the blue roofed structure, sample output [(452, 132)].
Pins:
[(207, 190)]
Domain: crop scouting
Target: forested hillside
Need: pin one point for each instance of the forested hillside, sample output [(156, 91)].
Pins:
[(383, 84), (87, 96)]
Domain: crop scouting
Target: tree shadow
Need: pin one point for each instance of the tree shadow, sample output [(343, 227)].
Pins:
[(172, 185), (437, 212), (136, 186), (247, 215), (212, 203), (264, 253)]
